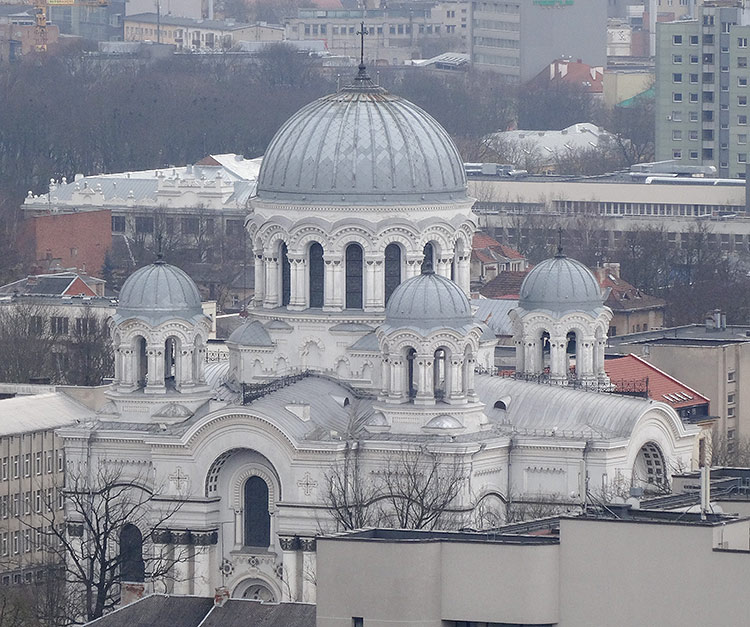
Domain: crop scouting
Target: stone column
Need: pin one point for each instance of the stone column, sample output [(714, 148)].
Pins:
[(425, 385), (298, 291), (384, 376), (585, 369), (371, 302), (328, 280), (308, 570), (469, 362), (259, 269), (463, 273), (444, 267), (184, 375), (155, 357), (397, 380), (202, 578), (520, 356), (239, 530), (334, 284), (413, 267), (271, 298), (558, 367), (456, 391), (291, 591), (601, 373), (530, 359)]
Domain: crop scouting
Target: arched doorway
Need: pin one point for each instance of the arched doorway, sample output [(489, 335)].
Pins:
[(257, 516), (411, 387), (354, 273), (255, 590), (316, 268)]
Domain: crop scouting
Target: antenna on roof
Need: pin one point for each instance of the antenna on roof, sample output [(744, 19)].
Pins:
[(362, 74)]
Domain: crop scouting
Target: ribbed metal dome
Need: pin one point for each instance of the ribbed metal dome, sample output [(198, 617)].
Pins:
[(159, 292), (560, 285), (427, 302), (252, 333), (361, 145)]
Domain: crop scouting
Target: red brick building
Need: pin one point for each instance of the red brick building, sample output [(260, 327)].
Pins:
[(66, 240)]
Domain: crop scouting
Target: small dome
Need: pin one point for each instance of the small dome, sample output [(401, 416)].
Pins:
[(560, 285), (426, 302), (252, 333), (361, 145), (159, 292), (444, 421)]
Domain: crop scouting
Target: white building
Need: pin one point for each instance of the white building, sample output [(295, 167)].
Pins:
[(361, 336)]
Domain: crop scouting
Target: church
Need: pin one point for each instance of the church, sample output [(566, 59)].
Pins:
[(361, 335)]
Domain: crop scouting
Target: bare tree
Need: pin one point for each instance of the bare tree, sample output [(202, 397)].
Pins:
[(90, 352), (101, 503), (726, 452), (27, 342), (416, 489)]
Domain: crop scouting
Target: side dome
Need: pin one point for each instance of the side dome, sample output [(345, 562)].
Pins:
[(361, 145), (159, 292), (252, 333), (560, 285), (428, 301)]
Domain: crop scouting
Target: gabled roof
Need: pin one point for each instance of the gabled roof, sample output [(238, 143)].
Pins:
[(621, 295), (661, 386), (60, 284), (24, 414)]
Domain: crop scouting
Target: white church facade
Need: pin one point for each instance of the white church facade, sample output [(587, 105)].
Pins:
[(361, 334)]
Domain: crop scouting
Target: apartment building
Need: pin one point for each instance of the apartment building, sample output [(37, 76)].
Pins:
[(519, 39), (32, 468), (702, 78)]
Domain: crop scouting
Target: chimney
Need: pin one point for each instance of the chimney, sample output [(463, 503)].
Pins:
[(221, 596)]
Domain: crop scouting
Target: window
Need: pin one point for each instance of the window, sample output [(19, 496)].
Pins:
[(693, 135), (144, 224), (38, 463), (693, 116), (694, 59), (358, 621), (677, 77), (676, 58), (118, 224), (59, 325), (676, 97), (677, 154), (27, 465), (693, 154), (676, 40), (730, 399), (4, 469), (730, 412), (85, 326), (676, 116), (693, 98), (693, 40), (742, 120), (730, 434), (257, 517), (741, 61), (354, 270), (742, 42), (694, 79), (286, 276), (730, 375), (676, 135), (742, 81), (16, 465), (317, 275), (36, 325), (190, 226), (132, 567), (742, 157), (233, 227), (742, 139)]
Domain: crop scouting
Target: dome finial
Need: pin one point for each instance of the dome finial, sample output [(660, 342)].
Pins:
[(362, 74), (560, 252)]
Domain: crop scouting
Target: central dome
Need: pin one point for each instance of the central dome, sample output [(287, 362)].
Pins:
[(159, 292), (426, 302), (560, 285), (361, 145)]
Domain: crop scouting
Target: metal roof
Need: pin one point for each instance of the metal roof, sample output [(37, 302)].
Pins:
[(24, 414), (494, 313), (361, 145)]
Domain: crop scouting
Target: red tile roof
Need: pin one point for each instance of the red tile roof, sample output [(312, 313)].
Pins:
[(621, 295), (661, 386), (482, 240), (504, 285)]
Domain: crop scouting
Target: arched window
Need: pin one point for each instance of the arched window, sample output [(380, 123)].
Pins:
[(428, 263), (500, 405), (354, 271), (286, 276), (132, 567), (571, 351), (317, 275), (171, 351), (142, 361), (392, 269), (257, 517), (438, 373), (411, 388)]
